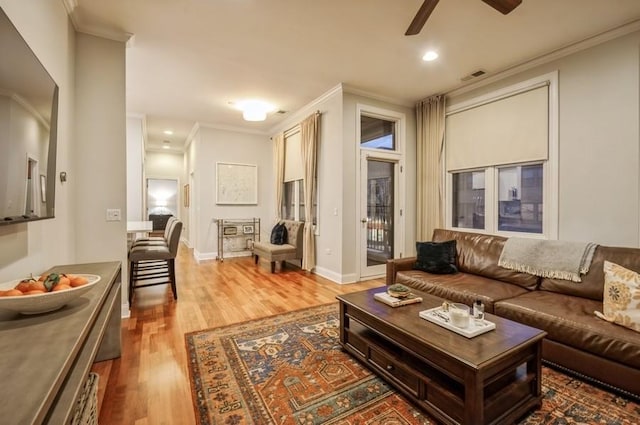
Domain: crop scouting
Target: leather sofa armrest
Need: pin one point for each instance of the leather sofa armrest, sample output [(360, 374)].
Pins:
[(396, 265)]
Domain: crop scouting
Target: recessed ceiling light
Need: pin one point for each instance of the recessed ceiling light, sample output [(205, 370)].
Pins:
[(254, 110), (430, 56), (168, 132)]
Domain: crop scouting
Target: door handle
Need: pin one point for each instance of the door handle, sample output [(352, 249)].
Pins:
[(364, 220)]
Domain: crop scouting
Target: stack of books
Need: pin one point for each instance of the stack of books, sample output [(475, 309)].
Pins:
[(384, 297)]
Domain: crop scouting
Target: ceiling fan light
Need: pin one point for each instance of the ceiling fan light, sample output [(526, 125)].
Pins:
[(430, 56)]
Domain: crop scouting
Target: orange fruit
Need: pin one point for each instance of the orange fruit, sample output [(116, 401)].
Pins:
[(36, 286), (43, 277), (60, 287), (23, 286), (12, 293), (64, 280), (35, 292), (79, 281)]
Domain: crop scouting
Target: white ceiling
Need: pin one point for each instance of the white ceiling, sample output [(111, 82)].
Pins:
[(188, 59)]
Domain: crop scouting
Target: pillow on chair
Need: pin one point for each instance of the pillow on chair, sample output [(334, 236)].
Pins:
[(279, 234)]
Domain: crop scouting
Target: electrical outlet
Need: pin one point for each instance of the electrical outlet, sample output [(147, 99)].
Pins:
[(113, 214)]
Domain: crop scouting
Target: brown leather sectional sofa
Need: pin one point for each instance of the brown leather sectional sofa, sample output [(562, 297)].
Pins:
[(576, 339)]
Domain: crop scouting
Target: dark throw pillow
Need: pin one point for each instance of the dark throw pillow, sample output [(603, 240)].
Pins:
[(436, 257), (279, 234)]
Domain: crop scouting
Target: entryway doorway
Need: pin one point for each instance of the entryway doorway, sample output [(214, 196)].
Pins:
[(162, 197)]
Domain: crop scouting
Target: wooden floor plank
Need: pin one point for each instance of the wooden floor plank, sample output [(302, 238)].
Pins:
[(149, 384)]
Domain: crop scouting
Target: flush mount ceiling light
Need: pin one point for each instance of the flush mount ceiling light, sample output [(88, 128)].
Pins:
[(254, 110), (430, 56), (168, 132)]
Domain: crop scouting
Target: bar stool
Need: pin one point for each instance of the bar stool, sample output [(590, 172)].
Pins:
[(155, 263), (157, 240)]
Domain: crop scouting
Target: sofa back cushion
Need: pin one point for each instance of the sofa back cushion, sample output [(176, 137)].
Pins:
[(479, 254), (592, 285)]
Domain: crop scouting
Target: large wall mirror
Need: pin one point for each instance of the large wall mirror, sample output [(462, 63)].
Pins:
[(28, 131)]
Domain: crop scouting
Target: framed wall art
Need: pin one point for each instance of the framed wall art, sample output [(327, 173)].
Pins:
[(236, 184)]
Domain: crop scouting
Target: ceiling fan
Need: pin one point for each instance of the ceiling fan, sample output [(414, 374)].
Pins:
[(503, 6)]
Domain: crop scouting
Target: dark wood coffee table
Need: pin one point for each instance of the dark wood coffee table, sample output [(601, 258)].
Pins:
[(493, 378)]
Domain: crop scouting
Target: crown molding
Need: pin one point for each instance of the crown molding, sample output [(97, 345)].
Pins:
[(559, 53), (232, 128), (305, 110), (79, 23), (347, 88)]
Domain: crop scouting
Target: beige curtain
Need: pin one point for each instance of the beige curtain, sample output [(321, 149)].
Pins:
[(309, 139), (430, 114), (278, 166)]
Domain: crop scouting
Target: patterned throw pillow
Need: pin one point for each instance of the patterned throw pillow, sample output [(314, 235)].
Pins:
[(621, 301), (436, 257)]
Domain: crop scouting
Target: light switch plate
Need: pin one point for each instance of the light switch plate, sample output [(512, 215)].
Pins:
[(113, 214)]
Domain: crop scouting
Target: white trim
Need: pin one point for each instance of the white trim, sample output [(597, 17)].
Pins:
[(204, 256), (550, 167), (347, 88), (335, 277), (306, 110), (396, 156), (570, 49), (232, 128), (125, 312)]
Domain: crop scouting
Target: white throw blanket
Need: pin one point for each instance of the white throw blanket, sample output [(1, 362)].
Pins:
[(553, 259)]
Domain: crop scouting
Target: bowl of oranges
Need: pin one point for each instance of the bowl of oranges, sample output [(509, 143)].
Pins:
[(47, 293)]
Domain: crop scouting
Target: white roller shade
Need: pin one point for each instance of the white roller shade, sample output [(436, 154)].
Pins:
[(293, 158), (506, 131)]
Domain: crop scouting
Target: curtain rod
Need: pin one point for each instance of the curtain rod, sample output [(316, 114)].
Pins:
[(317, 112)]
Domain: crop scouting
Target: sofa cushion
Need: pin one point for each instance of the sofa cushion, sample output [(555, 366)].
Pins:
[(592, 285), (460, 287), (478, 254), (436, 257), (621, 303), (570, 321)]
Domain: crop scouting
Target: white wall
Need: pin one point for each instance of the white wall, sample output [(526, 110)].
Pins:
[(215, 145), (135, 161), (100, 154), (27, 248), (599, 148)]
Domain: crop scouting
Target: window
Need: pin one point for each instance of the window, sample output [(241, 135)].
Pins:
[(520, 201), (293, 202), (377, 133), (501, 160), (511, 201), (468, 200), (293, 195)]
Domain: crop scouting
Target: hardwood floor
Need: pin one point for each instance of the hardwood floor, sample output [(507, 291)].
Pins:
[(149, 384)]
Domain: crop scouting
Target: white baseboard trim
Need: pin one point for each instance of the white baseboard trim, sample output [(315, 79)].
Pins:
[(335, 277), (186, 242), (203, 256), (125, 313)]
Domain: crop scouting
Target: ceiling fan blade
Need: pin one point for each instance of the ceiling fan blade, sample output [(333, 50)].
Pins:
[(421, 17), (503, 6)]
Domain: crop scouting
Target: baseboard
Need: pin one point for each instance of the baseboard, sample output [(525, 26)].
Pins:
[(125, 313), (335, 277), (204, 256), (186, 242)]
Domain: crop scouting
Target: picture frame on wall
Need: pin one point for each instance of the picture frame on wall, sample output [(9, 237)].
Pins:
[(43, 188), (236, 184), (247, 229), (185, 195)]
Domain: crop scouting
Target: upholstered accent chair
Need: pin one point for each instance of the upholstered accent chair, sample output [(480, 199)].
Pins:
[(291, 250)]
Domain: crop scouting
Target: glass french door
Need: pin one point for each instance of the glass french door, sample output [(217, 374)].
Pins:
[(378, 212)]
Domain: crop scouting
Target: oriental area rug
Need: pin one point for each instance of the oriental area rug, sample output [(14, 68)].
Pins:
[(290, 369)]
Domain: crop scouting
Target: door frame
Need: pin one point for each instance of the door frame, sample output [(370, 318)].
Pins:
[(396, 156)]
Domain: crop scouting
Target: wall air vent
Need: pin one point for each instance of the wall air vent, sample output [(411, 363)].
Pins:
[(475, 74)]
